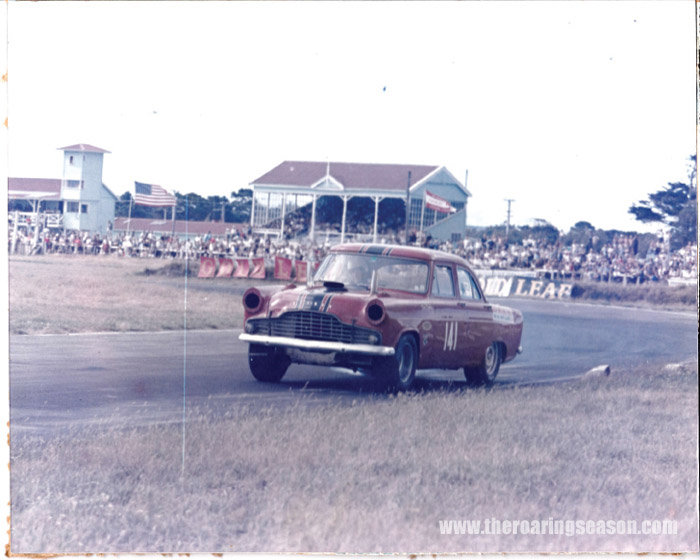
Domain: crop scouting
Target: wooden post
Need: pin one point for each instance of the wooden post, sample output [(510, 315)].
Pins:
[(313, 217), (15, 232), (342, 226), (408, 203), (284, 211)]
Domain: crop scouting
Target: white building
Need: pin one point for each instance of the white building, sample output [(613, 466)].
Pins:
[(77, 201), (294, 184)]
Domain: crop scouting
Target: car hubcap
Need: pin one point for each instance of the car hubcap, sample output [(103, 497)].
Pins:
[(405, 364), (491, 359)]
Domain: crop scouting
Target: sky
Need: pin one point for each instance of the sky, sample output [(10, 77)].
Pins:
[(575, 110)]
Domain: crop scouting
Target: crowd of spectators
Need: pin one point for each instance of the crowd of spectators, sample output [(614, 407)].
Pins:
[(618, 260)]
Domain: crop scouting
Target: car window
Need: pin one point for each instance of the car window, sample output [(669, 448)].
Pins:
[(442, 281), (468, 288), (354, 271), (476, 293)]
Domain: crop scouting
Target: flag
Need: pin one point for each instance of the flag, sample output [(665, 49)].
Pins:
[(152, 195), (435, 202)]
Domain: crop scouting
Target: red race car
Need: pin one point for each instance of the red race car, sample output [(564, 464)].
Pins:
[(383, 310)]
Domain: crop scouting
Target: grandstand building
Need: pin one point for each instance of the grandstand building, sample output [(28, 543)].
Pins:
[(296, 184), (77, 201)]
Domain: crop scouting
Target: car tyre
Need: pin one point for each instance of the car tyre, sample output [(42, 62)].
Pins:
[(485, 373), (266, 364), (399, 371)]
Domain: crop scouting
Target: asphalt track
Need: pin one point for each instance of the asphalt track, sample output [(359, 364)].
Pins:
[(63, 383)]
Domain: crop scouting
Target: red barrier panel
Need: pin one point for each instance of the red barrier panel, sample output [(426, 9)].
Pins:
[(242, 268), (258, 268), (300, 271), (283, 268), (207, 267), (225, 268)]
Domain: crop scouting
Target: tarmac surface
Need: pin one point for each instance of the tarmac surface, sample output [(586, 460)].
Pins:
[(60, 383)]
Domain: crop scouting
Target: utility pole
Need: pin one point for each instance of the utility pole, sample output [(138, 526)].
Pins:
[(509, 201)]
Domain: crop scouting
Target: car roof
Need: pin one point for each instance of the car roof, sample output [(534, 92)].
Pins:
[(427, 255)]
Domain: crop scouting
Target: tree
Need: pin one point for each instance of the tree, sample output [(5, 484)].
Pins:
[(674, 205), (239, 209)]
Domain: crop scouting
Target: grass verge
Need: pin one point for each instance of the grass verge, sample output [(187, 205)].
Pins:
[(56, 294), (65, 294), (649, 295), (375, 475)]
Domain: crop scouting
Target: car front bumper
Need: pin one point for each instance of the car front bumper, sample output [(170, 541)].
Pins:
[(317, 345)]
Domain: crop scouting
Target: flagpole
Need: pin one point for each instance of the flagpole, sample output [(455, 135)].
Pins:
[(128, 222)]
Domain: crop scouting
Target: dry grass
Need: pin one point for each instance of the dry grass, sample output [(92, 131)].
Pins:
[(375, 475), (648, 295), (68, 293), (65, 293)]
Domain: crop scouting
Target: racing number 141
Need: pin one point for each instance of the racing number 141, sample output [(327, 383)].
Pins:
[(450, 336)]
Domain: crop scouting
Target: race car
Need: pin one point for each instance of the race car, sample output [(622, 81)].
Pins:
[(385, 311)]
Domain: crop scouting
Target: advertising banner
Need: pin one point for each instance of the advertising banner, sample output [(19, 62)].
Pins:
[(207, 267), (242, 268), (225, 268), (283, 268)]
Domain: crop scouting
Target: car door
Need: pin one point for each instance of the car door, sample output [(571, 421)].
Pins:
[(475, 320), (441, 344)]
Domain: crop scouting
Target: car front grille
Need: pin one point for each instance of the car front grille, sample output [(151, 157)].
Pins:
[(312, 325)]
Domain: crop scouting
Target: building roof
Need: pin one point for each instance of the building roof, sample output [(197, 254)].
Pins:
[(39, 189), (364, 176), (33, 189), (181, 226), (84, 148)]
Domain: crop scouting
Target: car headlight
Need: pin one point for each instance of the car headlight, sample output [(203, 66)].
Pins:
[(252, 300)]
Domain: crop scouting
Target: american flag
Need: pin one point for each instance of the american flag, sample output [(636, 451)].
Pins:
[(152, 195)]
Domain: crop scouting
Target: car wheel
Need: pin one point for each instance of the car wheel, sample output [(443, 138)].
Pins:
[(485, 373), (399, 370), (266, 364)]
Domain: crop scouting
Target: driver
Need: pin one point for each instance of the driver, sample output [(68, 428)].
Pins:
[(359, 276)]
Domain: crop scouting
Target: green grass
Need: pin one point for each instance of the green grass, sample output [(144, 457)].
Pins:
[(375, 475)]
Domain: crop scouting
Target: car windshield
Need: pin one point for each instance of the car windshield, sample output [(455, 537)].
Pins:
[(354, 271)]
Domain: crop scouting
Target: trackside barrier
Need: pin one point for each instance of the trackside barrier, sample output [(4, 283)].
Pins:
[(518, 286), (258, 270), (242, 268), (225, 268), (207, 267), (283, 268), (300, 271)]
